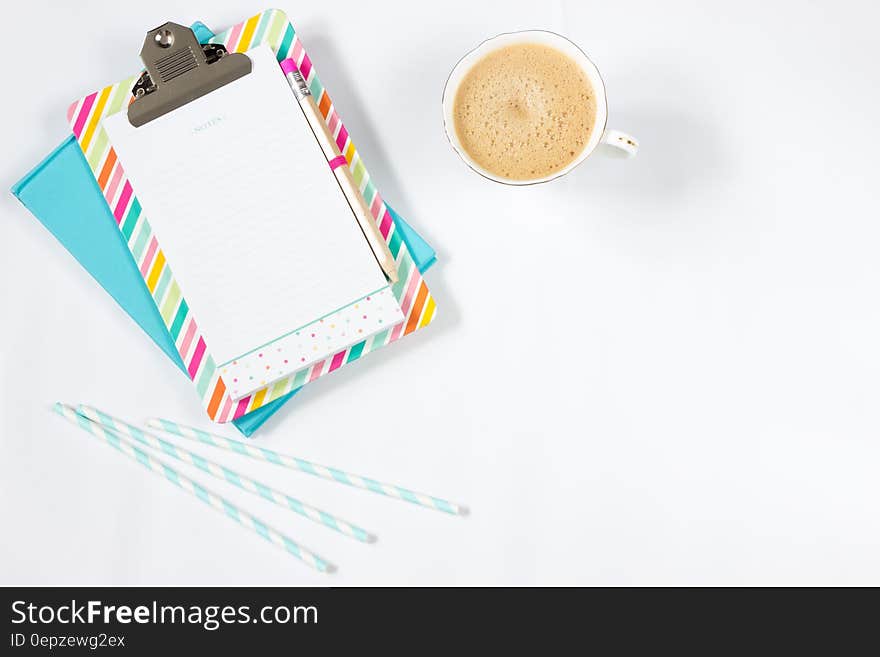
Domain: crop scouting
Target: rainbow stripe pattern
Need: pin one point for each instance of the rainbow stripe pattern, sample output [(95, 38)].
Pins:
[(273, 28)]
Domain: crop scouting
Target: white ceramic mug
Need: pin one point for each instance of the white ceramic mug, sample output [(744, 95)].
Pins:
[(600, 133)]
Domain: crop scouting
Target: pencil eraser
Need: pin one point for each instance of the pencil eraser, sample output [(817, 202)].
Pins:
[(288, 66)]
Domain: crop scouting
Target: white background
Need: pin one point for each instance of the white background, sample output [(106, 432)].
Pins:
[(657, 371)]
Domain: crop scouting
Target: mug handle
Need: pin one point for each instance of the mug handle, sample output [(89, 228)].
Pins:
[(621, 141)]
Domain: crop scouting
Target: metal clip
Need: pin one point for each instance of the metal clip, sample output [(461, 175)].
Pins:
[(180, 70)]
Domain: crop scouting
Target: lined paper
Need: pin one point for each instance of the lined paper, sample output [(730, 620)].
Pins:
[(247, 211)]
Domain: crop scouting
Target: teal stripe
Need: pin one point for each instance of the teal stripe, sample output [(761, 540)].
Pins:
[(374, 486), (305, 466), (379, 338), (232, 477), (285, 44), (300, 378), (408, 495), (164, 279), (291, 547), (238, 447), (341, 477), (264, 491), (296, 505), (199, 462), (131, 220), (86, 423), (207, 372), (140, 241), (169, 449), (178, 320), (201, 493), (105, 419), (204, 436), (231, 511), (261, 29), (271, 456), (262, 530), (403, 275), (394, 244), (355, 352), (317, 89), (328, 520), (141, 456), (369, 192), (171, 475), (443, 505)]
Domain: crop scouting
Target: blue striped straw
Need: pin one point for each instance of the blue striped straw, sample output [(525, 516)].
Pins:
[(294, 463), (221, 472), (215, 501)]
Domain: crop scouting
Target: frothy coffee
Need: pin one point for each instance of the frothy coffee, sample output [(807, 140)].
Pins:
[(524, 111)]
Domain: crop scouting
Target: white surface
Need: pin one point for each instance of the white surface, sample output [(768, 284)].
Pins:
[(244, 206), (700, 407)]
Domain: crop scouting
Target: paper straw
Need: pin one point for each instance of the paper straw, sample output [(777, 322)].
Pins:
[(295, 463), (221, 472), (215, 501)]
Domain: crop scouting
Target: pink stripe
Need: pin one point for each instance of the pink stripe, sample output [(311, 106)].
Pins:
[(385, 225), (232, 41), (84, 114), (305, 67), (226, 406), (197, 358), (334, 122), (337, 162), (375, 205), (148, 259), (397, 331), (71, 110), (297, 51), (241, 409), (342, 138), (123, 202), (316, 371), (187, 338), (288, 66), (337, 360), (410, 293), (110, 192)]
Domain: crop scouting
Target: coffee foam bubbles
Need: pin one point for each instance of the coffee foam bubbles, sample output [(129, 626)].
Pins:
[(524, 111)]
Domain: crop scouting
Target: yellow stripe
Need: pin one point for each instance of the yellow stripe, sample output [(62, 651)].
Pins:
[(248, 34), (349, 152), (153, 278), (258, 399), (429, 312), (96, 116)]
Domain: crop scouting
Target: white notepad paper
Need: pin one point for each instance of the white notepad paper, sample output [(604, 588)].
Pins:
[(252, 221)]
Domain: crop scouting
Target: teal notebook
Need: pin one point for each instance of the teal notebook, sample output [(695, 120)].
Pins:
[(62, 194)]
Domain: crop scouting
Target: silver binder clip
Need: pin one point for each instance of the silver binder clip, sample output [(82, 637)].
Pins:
[(180, 70)]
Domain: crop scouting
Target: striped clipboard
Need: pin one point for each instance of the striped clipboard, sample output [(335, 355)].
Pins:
[(270, 27)]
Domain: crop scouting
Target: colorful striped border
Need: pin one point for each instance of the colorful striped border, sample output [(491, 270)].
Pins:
[(271, 27)]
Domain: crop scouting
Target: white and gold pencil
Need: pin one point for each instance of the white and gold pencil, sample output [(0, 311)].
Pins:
[(339, 165)]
